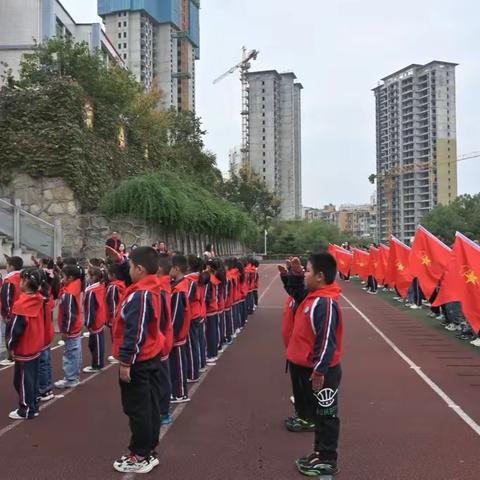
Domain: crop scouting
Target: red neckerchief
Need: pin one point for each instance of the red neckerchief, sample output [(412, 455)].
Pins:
[(28, 305), (331, 291)]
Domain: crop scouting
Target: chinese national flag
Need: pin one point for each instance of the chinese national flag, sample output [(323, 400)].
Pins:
[(360, 263), (398, 273), (373, 261), (332, 249), (384, 253), (344, 260), (428, 259), (462, 279)]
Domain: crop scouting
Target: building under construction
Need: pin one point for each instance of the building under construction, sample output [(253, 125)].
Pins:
[(274, 136), (416, 145)]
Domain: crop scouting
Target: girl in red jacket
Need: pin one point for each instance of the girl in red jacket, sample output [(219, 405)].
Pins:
[(114, 295), (26, 342), (70, 322), (95, 312)]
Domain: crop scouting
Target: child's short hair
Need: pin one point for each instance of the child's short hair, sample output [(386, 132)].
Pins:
[(194, 263), (325, 263), (97, 274), (76, 272), (34, 277), (164, 263), (15, 262), (180, 261), (146, 257)]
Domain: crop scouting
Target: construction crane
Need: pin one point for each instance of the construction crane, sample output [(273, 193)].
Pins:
[(244, 67), (388, 177)]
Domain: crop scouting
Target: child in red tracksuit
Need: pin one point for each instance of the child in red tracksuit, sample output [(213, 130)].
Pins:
[(166, 327), (113, 297), (137, 345), (95, 313), (26, 342), (181, 318), (9, 293), (314, 353), (70, 322)]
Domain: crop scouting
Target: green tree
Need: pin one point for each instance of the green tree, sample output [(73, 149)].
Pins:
[(248, 190), (462, 215)]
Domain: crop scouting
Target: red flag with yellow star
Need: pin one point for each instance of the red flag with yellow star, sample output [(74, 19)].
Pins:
[(384, 253), (332, 249), (398, 274), (344, 260), (373, 261), (428, 260), (462, 279), (360, 263)]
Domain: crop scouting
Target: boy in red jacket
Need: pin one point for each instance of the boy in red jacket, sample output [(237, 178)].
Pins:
[(181, 318), (26, 342), (137, 345), (314, 352)]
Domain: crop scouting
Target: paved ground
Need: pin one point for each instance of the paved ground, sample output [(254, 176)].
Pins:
[(409, 408)]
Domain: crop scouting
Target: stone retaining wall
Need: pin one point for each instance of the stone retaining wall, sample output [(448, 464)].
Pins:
[(84, 235)]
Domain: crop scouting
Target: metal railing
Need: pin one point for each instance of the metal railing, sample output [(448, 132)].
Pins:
[(30, 231)]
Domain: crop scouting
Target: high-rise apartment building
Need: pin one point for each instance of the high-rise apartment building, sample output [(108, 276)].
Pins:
[(416, 145), (22, 23), (159, 41), (274, 118)]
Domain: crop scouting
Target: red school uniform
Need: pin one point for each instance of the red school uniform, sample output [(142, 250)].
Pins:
[(166, 325), (113, 297), (70, 318), (27, 336), (181, 315), (10, 292), (95, 307)]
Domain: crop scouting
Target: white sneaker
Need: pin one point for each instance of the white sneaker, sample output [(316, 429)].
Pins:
[(64, 383), (86, 334), (61, 343), (134, 465), (440, 317), (414, 307), (292, 400), (476, 342), (202, 370), (14, 415), (112, 359), (183, 399), (47, 396), (451, 327), (7, 363), (91, 370), (192, 380)]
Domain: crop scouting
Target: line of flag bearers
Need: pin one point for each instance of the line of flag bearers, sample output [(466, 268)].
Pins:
[(168, 317), (426, 273)]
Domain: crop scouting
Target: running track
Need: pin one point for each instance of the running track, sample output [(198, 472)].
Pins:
[(408, 413)]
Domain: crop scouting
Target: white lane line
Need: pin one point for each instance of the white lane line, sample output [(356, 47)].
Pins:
[(196, 386), (16, 423), (418, 370)]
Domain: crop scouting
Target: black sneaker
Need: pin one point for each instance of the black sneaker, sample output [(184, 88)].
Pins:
[(297, 424), (313, 466)]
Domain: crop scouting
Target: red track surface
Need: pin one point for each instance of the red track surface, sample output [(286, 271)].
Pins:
[(394, 426)]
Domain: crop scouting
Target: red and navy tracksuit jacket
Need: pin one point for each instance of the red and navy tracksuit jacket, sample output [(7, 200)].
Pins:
[(196, 295), (166, 325), (114, 296), (9, 293), (136, 330), (95, 307), (317, 336), (27, 335), (212, 296), (181, 315), (70, 319)]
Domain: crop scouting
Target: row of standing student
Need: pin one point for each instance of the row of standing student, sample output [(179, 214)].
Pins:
[(167, 315)]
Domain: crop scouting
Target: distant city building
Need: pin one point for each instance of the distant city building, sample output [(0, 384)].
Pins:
[(327, 214), (416, 143), (22, 23), (234, 160), (274, 117), (159, 41), (359, 220)]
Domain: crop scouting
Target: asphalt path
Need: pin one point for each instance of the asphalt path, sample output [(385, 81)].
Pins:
[(410, 407)]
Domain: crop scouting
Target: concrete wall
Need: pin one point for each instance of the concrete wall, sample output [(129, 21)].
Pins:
[(85, 234)]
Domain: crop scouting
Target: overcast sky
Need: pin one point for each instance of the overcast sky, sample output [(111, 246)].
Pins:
[(338, 50)]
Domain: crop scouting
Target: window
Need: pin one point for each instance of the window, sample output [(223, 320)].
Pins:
[(124, 56), (263, 114), (263, 99), (124, 34), (119, 45), (119, 24), (263, 130), (124, 45), (263, 122), (119, 35), (263, 154), (263, 146), (263, 138), (124, 24), (263, 83)]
